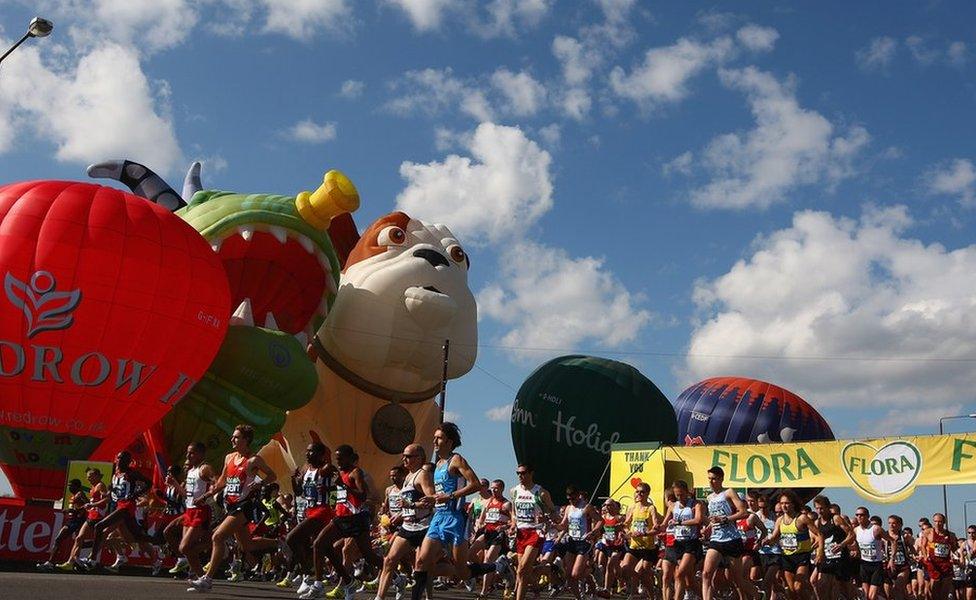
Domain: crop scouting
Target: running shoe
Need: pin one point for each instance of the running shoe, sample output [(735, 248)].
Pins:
[(284, 582), (181, 566), (201, 585), (335, 592), (67, 566), (316, 590), (306, 585), (469, 585), (399, 586), (370, 586), (349, 590), (235, 577)]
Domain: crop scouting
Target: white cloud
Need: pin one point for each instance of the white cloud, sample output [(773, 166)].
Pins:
[(679, 164), (814, 298), (551, 134), (663, 75), (146, 25), (431, 91), (310, 132), (905, 420), (789, 146), (549, 300), (496, 193), (425, 15), (956, 178), (499, 413), (352, 89), (506, 17), (757, 38), (920, 51), (304, 19), (957, 54), (102, 107), (524, 95), (452, 417), (878, 54)]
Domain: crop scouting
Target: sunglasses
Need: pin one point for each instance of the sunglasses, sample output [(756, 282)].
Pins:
[(860, 514), (521, 472)]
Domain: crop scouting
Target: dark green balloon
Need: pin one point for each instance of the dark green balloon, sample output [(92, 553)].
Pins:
[(572, 408)]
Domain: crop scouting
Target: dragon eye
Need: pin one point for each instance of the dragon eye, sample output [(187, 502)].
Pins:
[(391, 236), (457, 253)]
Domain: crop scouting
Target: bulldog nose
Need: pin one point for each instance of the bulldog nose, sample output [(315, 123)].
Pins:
[(432, 256)]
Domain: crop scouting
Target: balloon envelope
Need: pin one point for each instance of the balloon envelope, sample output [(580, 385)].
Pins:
[(113, 308), (572, 408)]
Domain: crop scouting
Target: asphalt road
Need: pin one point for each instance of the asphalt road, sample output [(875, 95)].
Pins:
[(68, 586)]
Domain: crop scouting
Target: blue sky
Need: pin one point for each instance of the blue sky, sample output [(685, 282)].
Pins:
[(784, 191)]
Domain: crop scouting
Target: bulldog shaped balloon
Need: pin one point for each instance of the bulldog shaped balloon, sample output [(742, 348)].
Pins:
[(402, 293)]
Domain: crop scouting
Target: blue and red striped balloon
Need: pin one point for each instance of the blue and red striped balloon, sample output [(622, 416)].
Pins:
[(738, 410)]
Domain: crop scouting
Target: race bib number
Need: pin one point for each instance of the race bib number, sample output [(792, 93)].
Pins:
[(832, 551), (575, 529), (787, 541), (233, 487), (342, 494), (525, 511), (682, 532), (639, 527), (869, 552), (942, 550), (493, 515), (899, 558), (610, 534)]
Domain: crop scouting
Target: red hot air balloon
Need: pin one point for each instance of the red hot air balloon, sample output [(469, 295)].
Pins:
[(112, 308)]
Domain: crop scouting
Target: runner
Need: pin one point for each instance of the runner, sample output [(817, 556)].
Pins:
[(612, 545), (798, 536), (352, 521), (196, 519), (837, 534), (581, 522), (687, 515), (169, 525), (95, 511), (447, 526), (533, 508), (642, 555), (475, 509), (495, 518), (770, 555), (752, 529), (392, 500), (316, 480), (725, 507), (415, 519), (969, 557), (76, 520), (938, 543), (870, 540), (241, 480), (899, 560), (128, 486)]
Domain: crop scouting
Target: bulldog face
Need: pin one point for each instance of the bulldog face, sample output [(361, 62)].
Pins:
[(403, 292)]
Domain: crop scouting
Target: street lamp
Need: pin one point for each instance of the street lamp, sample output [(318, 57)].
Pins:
[(945, 497), (38, 27)]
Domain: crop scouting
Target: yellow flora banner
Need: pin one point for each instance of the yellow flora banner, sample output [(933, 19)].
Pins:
[(879, 469)]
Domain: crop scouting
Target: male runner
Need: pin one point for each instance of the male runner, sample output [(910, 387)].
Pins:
[(938, 543), (128, 486), (316, 481), (76, 520), (196, 519), (533, 507), (725, 507), (837, 535)]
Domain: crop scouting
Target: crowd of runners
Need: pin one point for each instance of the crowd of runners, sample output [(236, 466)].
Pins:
[(439, 527)]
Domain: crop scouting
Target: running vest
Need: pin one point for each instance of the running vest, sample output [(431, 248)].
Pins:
[(579, 523), (641, 529), (174, 501), (770, 524), (898, 551), (274, 515), (870, 546), (528, 506), (477, 507), (97, 513), (720, 506), (196, 486), (236, 480), (414, 519), (346, 503), (681, 513), (613, 529), (123, 487), (394, 501), (832, 536), (792, 540), (317, 487), (938, 547), (748, 533), (496, 517), (445, 483)]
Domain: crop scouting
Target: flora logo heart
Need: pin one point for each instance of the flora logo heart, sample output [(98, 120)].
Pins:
[(887, 473)]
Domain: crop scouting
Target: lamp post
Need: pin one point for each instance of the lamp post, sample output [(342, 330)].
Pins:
[(38, 27), (966, 511), (945, 497)]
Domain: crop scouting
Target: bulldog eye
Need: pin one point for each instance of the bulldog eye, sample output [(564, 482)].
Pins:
[(457, 254), (391, 236)]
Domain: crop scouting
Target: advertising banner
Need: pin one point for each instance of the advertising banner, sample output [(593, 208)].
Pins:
[(879, 469)]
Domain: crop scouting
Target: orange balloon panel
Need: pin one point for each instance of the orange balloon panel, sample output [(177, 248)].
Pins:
[(112, 308)]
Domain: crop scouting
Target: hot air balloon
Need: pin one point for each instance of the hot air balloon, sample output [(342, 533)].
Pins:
[(738, 410), (113, 308), (403, 291), (570, 411)]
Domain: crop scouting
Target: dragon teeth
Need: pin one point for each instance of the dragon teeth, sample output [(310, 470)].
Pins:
[(269, 321), (302, 338), (280, 234), (243, 315), (306, 243), (216, 245), (246, 232)]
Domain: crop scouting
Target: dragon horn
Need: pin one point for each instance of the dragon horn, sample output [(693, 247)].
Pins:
[(140, 179), (192, 183)]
